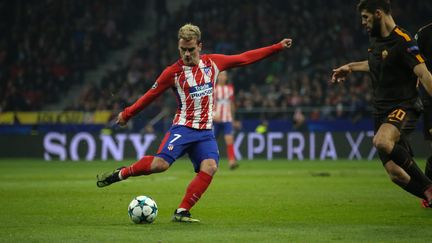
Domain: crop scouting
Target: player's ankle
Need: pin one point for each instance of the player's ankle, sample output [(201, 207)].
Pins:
[(179, 210), (428, 193), (121, 175)]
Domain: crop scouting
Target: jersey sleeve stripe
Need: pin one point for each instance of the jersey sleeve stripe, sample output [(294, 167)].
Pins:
[(405, 36), (420, 58)]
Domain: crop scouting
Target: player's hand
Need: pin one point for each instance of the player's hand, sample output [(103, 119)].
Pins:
[(340, 73), (120, 120), (286, 43)]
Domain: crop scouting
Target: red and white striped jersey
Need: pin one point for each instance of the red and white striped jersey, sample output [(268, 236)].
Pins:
[(194, 86), (224, 96)]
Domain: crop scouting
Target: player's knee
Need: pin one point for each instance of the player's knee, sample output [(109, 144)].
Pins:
[(209, 166), (382, 144), (229, 139)]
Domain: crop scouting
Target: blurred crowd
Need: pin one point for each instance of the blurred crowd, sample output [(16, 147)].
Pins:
[(51, 50), (46, 46)]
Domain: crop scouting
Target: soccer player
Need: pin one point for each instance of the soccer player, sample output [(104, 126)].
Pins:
[(424, 40), (394, 64), (224, 115), (192, 79)]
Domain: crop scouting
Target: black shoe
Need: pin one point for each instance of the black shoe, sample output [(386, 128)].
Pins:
[(184, 216), (108, 178)]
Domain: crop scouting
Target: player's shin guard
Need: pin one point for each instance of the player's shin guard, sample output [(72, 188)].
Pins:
[(402, 158), (141, 167), (195, 189), (230, 152)]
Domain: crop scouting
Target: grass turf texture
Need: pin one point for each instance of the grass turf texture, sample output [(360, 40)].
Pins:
[(262, 201)]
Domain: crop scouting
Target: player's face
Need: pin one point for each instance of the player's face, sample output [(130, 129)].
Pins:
[(371, 22), (222, 78), (189, 51)]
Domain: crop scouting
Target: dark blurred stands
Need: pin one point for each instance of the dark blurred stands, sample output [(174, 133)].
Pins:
[(46, 46), (326, 34)]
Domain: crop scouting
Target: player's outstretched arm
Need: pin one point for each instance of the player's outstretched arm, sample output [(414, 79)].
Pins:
[(164, 82), (340, 73), (230, 61), (424, 76)]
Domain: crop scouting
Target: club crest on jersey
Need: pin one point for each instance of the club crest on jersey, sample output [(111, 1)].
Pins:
[(200, 91), (208, 71), (384, 54), (170, 147)]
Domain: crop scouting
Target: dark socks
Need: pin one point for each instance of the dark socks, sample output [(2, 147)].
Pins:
[(402, 158), (415, 189)]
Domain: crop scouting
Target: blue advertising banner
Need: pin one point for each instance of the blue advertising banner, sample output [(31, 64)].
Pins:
[(292, 145)]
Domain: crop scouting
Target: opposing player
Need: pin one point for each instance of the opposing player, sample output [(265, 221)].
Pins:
[(224, 115), (394, 64), (192, 78), (424, 40)]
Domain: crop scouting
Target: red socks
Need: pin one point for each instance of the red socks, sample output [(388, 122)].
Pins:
[(195, 189), (141, 167), (230, 152)]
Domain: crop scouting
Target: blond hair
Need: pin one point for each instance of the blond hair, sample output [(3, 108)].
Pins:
[(188, 32)]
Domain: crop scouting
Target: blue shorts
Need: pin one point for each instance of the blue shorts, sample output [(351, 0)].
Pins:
[(227, 128), (199, 144)]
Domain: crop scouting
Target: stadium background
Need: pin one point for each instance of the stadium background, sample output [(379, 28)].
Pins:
[(68, 67)]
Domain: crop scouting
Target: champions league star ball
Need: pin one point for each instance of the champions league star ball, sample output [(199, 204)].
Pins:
[(142, 210)]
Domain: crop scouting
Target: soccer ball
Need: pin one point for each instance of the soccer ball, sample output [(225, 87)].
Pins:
[(142, 210)]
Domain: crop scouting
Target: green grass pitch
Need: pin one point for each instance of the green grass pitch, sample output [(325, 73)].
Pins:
[(262, 201)]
